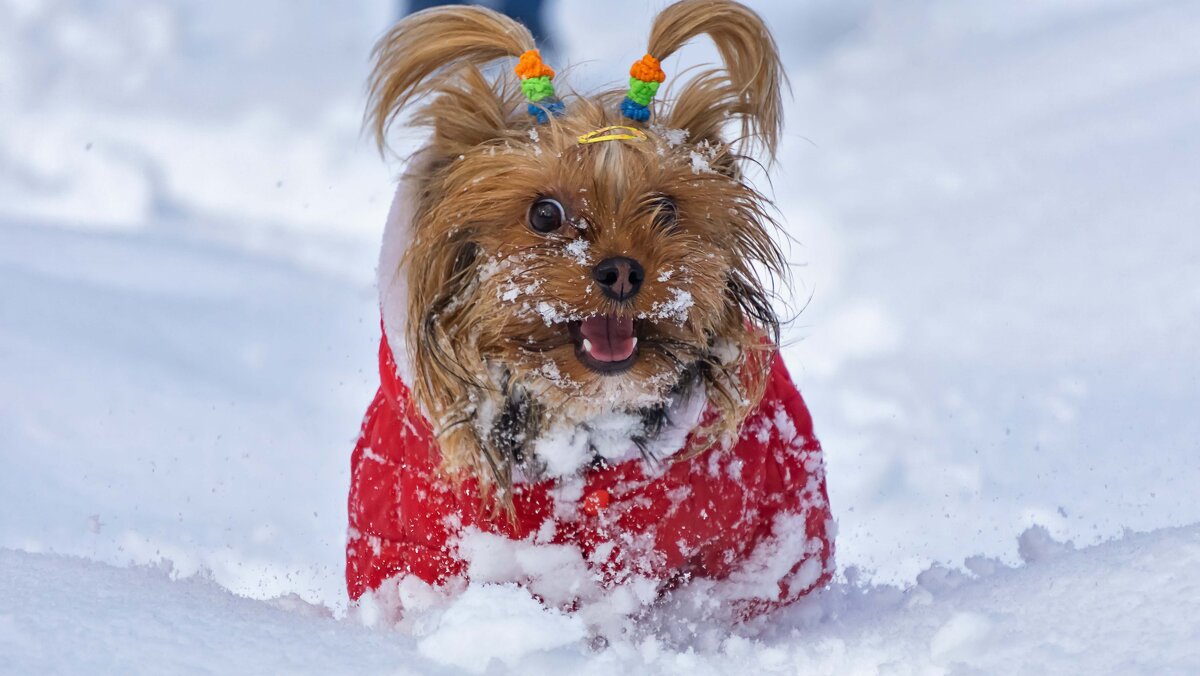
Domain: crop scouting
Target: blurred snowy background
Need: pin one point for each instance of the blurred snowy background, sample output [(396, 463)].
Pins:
[(996, 219)]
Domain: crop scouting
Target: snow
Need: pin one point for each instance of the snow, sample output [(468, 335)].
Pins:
[(577, 250), (990, 208), (674, 308), (566, 448), (524, 627), (1127, 606)]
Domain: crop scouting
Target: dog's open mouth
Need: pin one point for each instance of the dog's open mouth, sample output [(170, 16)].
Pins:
[(605, 343)]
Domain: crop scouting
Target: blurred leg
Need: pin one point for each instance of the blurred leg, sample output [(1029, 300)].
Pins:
[(530, 13), (410, 6)]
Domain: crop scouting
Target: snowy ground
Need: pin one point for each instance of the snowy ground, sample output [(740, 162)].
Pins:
[(995, 214), (1123, 607)]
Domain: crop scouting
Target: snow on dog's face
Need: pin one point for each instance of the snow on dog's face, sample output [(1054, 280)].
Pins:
[(570, 300)]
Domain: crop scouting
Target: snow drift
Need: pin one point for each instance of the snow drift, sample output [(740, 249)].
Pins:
[(1124, 607)]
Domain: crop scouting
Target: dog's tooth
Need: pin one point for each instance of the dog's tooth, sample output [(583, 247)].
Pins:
[(587, 346), (635, 341)]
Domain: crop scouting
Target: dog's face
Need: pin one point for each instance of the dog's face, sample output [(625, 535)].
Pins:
[(565, 293), (600, 272)]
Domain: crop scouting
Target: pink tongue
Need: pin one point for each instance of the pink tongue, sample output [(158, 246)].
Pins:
[(611, 337)]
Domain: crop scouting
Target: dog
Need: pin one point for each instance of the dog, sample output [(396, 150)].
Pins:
[(579, 342)]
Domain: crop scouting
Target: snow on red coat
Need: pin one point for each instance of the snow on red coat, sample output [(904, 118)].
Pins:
[(755, 508)]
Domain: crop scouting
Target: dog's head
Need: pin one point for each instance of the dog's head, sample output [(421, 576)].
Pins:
[(572, 288)]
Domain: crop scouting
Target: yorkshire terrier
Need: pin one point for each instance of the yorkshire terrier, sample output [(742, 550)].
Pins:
[(579, 344)]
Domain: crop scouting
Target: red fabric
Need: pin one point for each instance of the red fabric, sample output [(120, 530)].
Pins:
[(704, 516)]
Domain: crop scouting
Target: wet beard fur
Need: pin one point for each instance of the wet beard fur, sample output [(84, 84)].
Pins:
[(521, 421)]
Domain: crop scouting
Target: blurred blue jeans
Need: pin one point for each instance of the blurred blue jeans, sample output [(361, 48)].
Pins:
[(528, 12)]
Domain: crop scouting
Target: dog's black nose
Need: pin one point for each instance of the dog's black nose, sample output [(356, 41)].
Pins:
[(619, 277)]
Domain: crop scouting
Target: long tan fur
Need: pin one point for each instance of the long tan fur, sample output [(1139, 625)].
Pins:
[(489, 298), (750, 86), (426, 51)]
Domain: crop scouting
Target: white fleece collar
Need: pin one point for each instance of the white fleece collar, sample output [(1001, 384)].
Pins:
[(392, 275)]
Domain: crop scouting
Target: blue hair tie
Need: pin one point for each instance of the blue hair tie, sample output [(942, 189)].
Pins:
[(537, 86), (634, 110), (538, 110)]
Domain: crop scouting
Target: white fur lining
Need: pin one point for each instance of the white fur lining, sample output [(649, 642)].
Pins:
[(392, 275)]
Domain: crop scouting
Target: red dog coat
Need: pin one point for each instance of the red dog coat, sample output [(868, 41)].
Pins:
[(731, 511)]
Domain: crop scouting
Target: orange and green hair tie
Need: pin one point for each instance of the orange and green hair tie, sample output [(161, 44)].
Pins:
[(645, 76), (536, 84)]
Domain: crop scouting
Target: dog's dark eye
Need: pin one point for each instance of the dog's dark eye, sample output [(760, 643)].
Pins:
[(664, 212), (546, 215)]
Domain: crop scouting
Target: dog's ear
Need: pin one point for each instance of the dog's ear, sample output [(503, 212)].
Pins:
[(749, 88), (436, 54)]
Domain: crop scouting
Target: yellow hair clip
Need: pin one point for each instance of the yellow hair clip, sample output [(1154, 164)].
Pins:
[(616, 132)]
